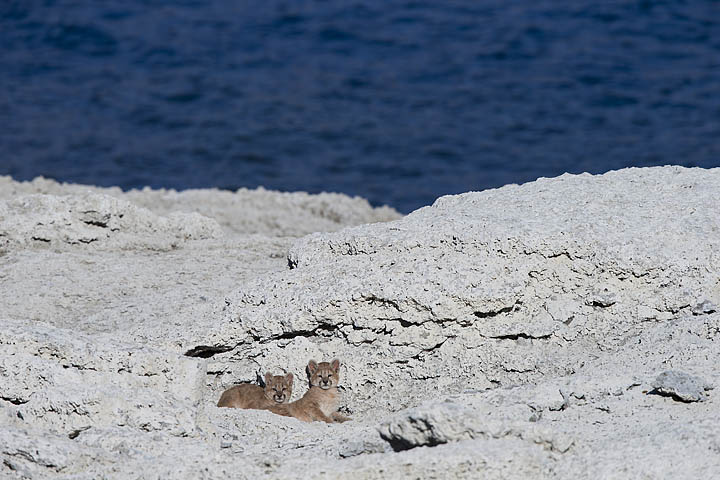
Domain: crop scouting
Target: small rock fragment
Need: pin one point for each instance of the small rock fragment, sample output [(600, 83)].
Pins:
[(681, 386), (603, 299), (428, 426), (703, 308)]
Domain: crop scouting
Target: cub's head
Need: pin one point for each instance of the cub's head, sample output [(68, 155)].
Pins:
[(278, 388), (324, 375)]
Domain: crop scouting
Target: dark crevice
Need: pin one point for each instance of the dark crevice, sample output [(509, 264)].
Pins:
[(79, 367), (363, 342), (372, 299), (425, 351), (14, 400), (75, 433), (30, 458), (495, 313), (95, 218), (561, 254), (602, 303), (675, 396), (95, 223), (304, 333), (399, 444), (206, 351), (516, 336), (405, 323), (38, 239)]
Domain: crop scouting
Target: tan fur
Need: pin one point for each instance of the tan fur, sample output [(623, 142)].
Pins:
[(320, 402), (278, 390)]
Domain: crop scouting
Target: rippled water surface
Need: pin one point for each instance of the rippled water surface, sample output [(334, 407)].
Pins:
[(397, 101)]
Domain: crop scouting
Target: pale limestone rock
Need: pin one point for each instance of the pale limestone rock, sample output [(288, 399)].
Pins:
[(540, 312), (681, 386)]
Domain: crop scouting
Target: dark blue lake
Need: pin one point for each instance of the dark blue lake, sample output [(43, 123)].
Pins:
[(397, 101)]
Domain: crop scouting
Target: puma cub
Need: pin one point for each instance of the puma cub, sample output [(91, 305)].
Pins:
[(320, 402), (278, 390)]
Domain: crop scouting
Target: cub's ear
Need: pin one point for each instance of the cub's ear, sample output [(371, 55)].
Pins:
[(289, 378), (335, 364), (268, 378), (312, 366)]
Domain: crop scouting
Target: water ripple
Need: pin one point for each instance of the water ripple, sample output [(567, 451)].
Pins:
[(399, 101)]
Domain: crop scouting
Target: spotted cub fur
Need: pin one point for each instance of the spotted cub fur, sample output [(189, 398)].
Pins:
[(320, 402), (277, 391)]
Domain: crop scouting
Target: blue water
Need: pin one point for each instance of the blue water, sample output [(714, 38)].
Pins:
[(397, 101)]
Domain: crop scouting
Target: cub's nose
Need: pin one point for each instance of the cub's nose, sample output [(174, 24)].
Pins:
[(280, 398)]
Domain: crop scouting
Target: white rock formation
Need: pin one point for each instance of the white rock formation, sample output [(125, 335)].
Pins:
[(521, 332), (243, 212)]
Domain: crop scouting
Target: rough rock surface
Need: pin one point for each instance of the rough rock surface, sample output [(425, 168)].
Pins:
[(681, 386), (513, 333), (243, 212)]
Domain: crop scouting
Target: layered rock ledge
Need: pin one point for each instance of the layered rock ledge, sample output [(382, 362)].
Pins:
[(561, 328)]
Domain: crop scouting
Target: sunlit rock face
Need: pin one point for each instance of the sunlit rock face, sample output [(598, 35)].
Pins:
[(552, 329)]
